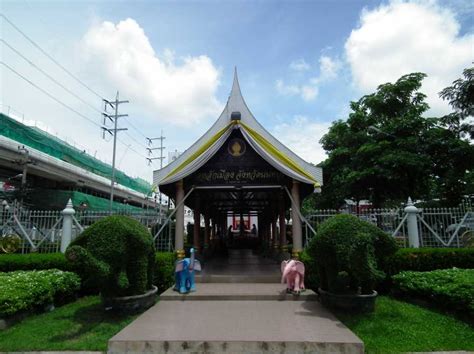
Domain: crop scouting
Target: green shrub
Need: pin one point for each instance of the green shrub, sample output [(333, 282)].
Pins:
[(29, 290), (117, 253), (311, 275), (348, 252), (426, 259), (448, 288), (164, 270), (33, 261)]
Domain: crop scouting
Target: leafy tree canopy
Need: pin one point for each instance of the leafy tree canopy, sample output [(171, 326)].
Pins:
[(387, 150)]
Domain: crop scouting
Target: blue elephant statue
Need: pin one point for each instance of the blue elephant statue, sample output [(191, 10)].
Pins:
[(184, 274)]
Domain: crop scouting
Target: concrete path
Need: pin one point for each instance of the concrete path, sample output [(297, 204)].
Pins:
[(237, 318), (241, 266)]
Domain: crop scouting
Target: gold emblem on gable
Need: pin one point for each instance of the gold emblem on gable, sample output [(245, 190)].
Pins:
[(236, 147)]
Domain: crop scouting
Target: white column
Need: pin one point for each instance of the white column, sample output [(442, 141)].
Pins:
[(296, 226), (412, 224), (179, 231), (68, 213)]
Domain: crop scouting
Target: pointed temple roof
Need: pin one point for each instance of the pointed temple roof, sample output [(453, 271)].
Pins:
[(267, 146)]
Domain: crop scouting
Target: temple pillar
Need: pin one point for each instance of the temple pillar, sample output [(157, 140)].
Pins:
[(296, 226), (207, 234), (197, 226), (281, 217), (179, 231), (274, 234)]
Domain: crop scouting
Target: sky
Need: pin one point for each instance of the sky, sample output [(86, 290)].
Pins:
[(299, 63)]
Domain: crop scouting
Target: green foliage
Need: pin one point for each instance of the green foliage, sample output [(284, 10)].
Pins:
[(164, 270), (347, 252), (448, 288), (33, 261), (426, 259), (82, 326), (387, 150), (30, 290), (461, 97), (311, 275), (399, 327), (117, 253)]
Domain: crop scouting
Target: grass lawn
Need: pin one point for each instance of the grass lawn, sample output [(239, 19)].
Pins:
[(397, 326), (82, 325)]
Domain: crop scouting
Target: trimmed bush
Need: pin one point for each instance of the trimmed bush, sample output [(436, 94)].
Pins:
[(448, 288), (31, 290), (348, 253), (117, 253), (426, 259), (311, 275), (164, 270), (33, 261)]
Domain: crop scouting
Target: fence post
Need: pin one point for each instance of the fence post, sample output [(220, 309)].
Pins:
[(412, 223), (68, 213)]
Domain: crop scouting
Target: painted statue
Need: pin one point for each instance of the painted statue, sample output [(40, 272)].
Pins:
[(292, 273), (184, 273)]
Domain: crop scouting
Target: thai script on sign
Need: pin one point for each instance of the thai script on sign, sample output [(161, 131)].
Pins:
[(223, 175)]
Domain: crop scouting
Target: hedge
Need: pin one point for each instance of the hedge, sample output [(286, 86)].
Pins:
[(448, 288), (31, 290), (427, 259), (164, 270), (33, 261), (163, 278), (311, 275)]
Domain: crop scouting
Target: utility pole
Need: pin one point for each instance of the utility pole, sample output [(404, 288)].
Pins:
[(113, 118), (161, 158)]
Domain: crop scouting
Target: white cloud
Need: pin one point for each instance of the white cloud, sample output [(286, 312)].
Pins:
[(307, 92), (328, 67), (403, 37), (299, 65), (302, 136), (181, 92), (328, 70)]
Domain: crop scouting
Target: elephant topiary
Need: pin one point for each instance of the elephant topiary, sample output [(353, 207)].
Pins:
[(117, 253), (348, 253)]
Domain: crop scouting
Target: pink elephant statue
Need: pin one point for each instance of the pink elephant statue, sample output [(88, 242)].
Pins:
[(292, 273)]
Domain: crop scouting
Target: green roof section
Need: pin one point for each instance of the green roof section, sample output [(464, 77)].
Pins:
[(51, 145)]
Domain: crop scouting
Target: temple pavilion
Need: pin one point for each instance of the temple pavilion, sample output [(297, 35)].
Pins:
[(238, 168)]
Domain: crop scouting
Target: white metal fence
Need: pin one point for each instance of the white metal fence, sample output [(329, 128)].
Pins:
[(26, 231), (436, 227), (50, 231)]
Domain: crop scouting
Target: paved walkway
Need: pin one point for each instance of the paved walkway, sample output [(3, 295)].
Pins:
[(241, 266), (237, 318)]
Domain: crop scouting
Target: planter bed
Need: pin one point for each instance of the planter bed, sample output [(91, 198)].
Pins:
[(25, 292)]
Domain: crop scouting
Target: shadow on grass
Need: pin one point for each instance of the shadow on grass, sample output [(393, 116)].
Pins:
[(86, 319)]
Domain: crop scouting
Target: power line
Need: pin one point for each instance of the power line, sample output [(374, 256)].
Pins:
[(135, 140), (62, 103), (135, 128), (49, 76), (49, 95), (49, 56)]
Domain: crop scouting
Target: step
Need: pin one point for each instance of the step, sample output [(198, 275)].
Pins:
[(238, 292), (236, 327), (238, 278)]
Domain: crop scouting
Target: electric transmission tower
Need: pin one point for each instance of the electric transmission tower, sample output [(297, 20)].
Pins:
[(114, 105), (161, 157)]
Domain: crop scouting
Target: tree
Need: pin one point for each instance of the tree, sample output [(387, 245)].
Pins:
[(387, 150), (461, 97)]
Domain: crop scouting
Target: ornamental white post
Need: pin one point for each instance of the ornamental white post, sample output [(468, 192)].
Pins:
[(412, 223), (68, 214)]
